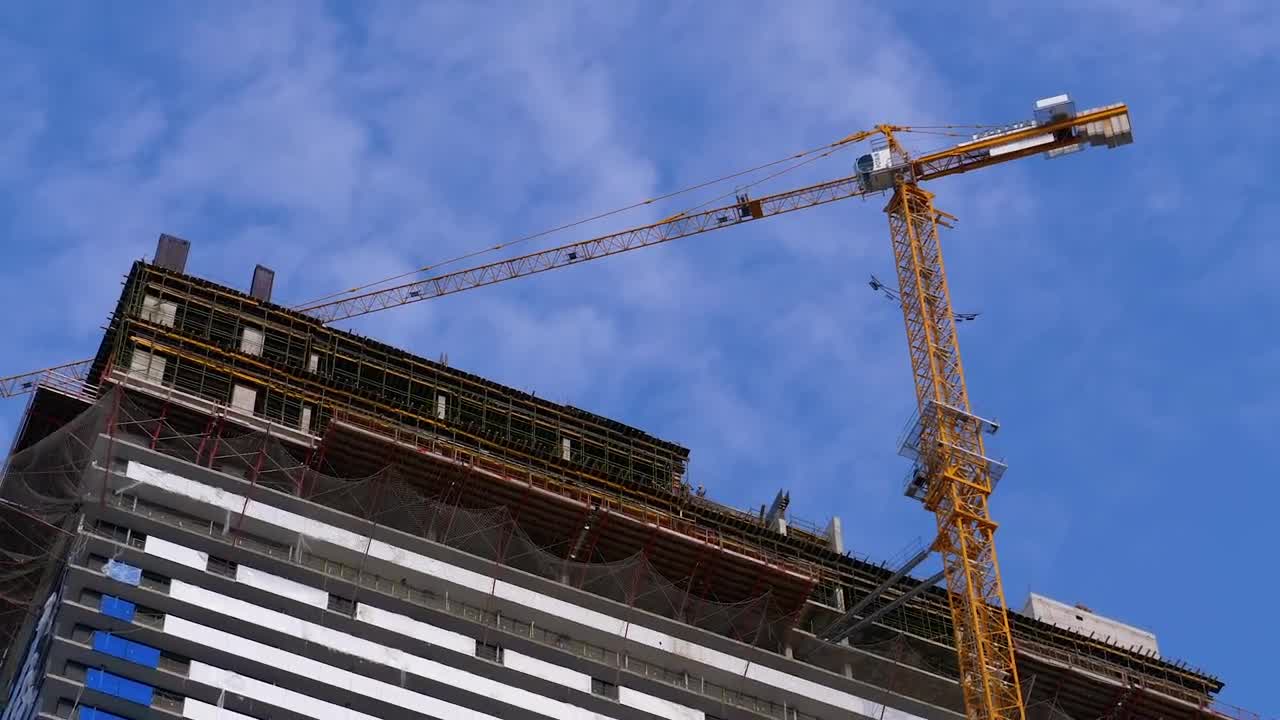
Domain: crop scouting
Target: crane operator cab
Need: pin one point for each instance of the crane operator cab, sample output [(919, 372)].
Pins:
[(877, 170)]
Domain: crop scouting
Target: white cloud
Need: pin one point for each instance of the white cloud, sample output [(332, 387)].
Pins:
[(283, 142), (137, 127), (22, 114)]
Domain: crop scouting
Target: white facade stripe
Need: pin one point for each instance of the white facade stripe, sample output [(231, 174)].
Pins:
[(177, 553), (416, 629), (547, 671), (657, 706), (283, 587)]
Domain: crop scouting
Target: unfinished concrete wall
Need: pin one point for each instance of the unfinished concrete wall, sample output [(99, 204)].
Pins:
[(1086, 622)]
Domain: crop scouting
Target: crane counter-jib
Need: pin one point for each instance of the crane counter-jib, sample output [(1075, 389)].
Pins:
[(1060, 130), (1108, 125)]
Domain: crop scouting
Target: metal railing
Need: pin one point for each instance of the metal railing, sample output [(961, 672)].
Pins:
[(1127, 679), (1227, 710)]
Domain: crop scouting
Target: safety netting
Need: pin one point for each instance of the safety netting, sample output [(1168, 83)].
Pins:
[(41, 489), (45, 483)]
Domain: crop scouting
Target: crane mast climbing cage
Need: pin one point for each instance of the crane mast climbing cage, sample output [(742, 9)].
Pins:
[(953, 476)]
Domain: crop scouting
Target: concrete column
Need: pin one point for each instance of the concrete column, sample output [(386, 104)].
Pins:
[(835, 535)]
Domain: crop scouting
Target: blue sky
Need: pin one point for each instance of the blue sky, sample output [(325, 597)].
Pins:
[(1127, 296)]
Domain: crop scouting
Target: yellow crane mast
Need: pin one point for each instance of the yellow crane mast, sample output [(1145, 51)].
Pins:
[(952, 477)]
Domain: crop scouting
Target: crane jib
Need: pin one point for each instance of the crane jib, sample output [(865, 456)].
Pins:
[(678, 226)]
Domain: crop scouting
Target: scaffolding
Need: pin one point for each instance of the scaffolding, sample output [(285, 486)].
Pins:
[(207, 340)]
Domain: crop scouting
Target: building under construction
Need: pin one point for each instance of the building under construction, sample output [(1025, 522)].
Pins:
[(244, 513)]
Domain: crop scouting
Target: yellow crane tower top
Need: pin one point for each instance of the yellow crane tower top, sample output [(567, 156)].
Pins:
[(953, 477)]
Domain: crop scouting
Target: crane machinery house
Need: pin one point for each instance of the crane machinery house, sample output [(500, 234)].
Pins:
[(882, 169)]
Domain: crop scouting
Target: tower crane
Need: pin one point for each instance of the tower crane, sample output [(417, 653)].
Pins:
[(952, 477)]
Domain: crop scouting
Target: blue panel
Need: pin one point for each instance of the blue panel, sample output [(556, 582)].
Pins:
[(112, 684), (101, 681), (135, 652), (142, 654), (140, 693), (117, 608), (88, 713), (123, 572), (102, 642)]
